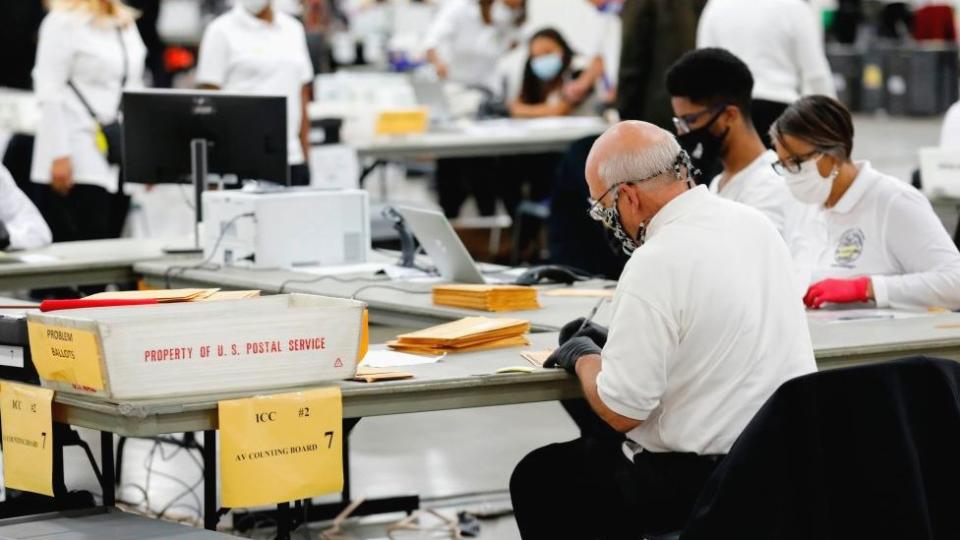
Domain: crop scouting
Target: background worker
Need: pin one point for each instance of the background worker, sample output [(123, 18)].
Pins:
[(874, 237), (256, 49)]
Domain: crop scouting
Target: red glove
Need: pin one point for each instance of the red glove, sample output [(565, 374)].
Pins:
[(837, 291)]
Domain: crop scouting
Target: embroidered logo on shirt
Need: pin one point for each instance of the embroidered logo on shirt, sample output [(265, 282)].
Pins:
[(849, 248)]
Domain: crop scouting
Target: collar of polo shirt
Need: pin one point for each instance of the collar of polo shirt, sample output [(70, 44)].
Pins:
[(861, 184)]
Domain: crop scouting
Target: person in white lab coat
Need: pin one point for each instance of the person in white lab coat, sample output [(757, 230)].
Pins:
[(781, 42), (21, 225), (875, 238), (467, 38), (257, 49), (86, 48), (704, 327)]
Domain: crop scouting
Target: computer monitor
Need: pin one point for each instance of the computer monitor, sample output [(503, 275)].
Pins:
[(176, 136), (245, 135)]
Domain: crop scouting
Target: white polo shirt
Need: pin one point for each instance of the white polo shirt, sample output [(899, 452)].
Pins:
[(759, 186), (242, 53), (779, 40), (950, 133), (884, 228), (705, 325)]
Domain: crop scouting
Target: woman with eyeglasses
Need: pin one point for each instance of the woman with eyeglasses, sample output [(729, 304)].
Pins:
[(874, 237)]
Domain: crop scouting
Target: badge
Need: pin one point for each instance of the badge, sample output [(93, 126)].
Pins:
[(849, 248)]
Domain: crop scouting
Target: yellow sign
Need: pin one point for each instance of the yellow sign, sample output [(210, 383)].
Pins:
[(67, 355), (281, 448), (27, 425), (402, 122)]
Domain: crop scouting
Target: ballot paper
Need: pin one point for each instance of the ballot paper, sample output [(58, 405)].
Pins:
[(467, 334), (230, 295), (160, 295), (389, 359), (580, 293), (537, 358), (371, 375), (486, 297), (851, 315)]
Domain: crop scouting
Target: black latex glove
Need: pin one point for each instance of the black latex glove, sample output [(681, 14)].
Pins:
[(591, 330), (566, 355), (4, 236)]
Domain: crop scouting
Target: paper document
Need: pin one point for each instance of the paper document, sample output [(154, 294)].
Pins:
[(536, 358), (343, 269), (161, 295), (850, 315), (580, 293), (388, 359), (370, 375)]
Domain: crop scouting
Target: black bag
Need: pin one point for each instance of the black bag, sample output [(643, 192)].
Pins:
[(109, 136)]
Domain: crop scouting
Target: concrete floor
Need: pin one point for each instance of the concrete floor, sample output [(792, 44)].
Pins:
[(443, 454)]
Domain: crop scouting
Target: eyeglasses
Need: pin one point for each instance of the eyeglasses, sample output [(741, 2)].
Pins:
[(683, 123), (792, 164)]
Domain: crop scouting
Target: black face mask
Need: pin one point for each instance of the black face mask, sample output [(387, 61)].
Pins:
[(705, 148)]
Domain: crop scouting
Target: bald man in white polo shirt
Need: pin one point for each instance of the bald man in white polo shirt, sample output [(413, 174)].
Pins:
[(705, 325)]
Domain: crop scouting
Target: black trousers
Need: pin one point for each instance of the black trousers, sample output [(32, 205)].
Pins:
[(85, 213), (588, 489), (765, 113), (508, 178)]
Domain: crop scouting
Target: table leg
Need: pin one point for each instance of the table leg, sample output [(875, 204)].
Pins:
[(108, 483), (283, 521), (211, 512)]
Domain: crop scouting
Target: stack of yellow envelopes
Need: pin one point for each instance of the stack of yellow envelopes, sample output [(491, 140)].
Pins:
[(468, 334), (486, 297)]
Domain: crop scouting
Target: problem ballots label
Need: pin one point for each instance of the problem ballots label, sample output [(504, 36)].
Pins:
[(66, 354)]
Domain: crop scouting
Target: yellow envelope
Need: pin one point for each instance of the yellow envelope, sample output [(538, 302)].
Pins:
[(281, 448), (66, 355), (27, 424)]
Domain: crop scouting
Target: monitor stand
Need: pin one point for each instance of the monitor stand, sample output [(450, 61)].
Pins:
[(199, 169)]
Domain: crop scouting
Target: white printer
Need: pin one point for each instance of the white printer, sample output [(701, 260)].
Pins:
[(285, 228)]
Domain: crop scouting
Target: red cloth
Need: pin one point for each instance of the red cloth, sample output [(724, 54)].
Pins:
[(935, 23)]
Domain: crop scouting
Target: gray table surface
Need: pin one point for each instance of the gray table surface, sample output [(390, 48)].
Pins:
[(99, 524), (80, 263), (452, 142), (388, 306), (470, 379)]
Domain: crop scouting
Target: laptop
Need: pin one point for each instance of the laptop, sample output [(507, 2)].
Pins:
[(433, 96), (940, 172), (442, 244)]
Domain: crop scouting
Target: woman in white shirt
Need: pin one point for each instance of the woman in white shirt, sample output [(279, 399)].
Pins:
[(88, 50), (467, 38), (874, 236), (256, 49)]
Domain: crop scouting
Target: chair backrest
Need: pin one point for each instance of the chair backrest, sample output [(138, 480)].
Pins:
[(862, 452)]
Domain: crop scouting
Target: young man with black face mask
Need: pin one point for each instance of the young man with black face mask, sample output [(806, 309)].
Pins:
[(710, 94)]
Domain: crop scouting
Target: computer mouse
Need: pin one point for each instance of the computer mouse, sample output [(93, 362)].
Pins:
[(551, 273)]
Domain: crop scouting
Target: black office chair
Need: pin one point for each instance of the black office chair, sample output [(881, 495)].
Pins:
[(862, 452)]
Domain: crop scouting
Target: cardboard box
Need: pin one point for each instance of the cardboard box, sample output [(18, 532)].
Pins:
[(202, 348)]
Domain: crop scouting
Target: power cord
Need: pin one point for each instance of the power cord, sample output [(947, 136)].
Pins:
[(168, 275), (283, 285), (389, 287)]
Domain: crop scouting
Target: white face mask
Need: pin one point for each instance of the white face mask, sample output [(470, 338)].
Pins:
[(502, 15), (254, 6), (807, 186)]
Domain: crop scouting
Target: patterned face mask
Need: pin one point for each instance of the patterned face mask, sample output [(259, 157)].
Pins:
[(609, 216)]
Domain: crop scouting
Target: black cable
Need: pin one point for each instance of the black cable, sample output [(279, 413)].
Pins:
[(376, 286), (331, 278), (168, 275)]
